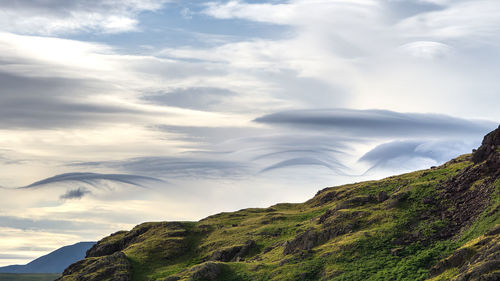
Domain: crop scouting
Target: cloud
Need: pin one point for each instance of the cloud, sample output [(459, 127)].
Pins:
[(379, 123), (203, 98), (264, 12), (48, 224), (305, 161), (92, 179), (464, 20), (414, 154), (75, 193), (59, 16), (173, 167), (36, 102), (427, 49)]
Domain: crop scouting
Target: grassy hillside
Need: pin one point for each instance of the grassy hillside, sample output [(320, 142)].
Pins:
[(437, 224), (28, 277)]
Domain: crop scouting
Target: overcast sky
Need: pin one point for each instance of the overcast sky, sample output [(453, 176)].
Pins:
[(115, 112)]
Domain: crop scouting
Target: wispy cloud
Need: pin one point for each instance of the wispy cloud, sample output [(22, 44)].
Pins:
[(93, 178), (56, 16), (379, 123)]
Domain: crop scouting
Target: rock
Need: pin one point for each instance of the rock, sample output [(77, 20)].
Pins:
[(457, 259), (398, 198), (115, 267), (396, 251), (494, 231), (172, 278), (481, 270), (108, 246), (382, 196), (233, 253), (488, 147), (207, 271), (327, 198), (328, 213), (311, 238)]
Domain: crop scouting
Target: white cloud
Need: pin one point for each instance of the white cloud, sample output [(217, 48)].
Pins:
[(60, 17), (476, 22), (427, 49)]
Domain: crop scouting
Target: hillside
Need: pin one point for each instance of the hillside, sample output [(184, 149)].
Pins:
[(54, 262), (438, 224)]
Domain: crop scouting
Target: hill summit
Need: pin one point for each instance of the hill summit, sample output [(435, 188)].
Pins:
[(437, 224)]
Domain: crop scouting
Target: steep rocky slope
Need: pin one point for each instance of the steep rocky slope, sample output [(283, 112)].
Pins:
[(437, 224)]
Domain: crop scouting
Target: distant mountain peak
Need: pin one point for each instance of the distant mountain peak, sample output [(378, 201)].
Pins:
[(54, 262)]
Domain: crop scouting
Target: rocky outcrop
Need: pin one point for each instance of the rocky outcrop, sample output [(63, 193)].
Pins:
[(208, 271), (488, 147), (457, 259), (122, 239), (235, 253), (312, 238), (113, 244), (480, 261), (115, 267)]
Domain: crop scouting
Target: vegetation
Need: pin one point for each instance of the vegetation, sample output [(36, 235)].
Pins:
[(437, 224)]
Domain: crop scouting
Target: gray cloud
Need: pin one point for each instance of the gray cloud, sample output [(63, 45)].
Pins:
[(404, 9), (13, 257), (36, 102), (167, 167), (92, 178), (303, 161), (49, 224), (75, 193), (394, 154), (380, 123)]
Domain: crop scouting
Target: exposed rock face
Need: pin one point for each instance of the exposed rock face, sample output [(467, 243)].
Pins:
[(233, 253), (122, 239), (115, 267), (480, 261), (488, 147), (469, 193), (382, 196), (207, 271), (312, 238), (107, 248), (457, 259)]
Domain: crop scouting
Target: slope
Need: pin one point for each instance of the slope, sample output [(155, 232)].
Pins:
[(54, 262), (440, 224)]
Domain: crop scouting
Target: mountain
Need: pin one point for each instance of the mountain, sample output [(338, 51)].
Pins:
[(437, 224), (54, 262)]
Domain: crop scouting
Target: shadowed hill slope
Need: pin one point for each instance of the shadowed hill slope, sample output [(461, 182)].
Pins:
[(54, 262), (437, 224)]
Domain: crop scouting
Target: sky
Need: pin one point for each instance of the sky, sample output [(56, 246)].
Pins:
[(118, 112)]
